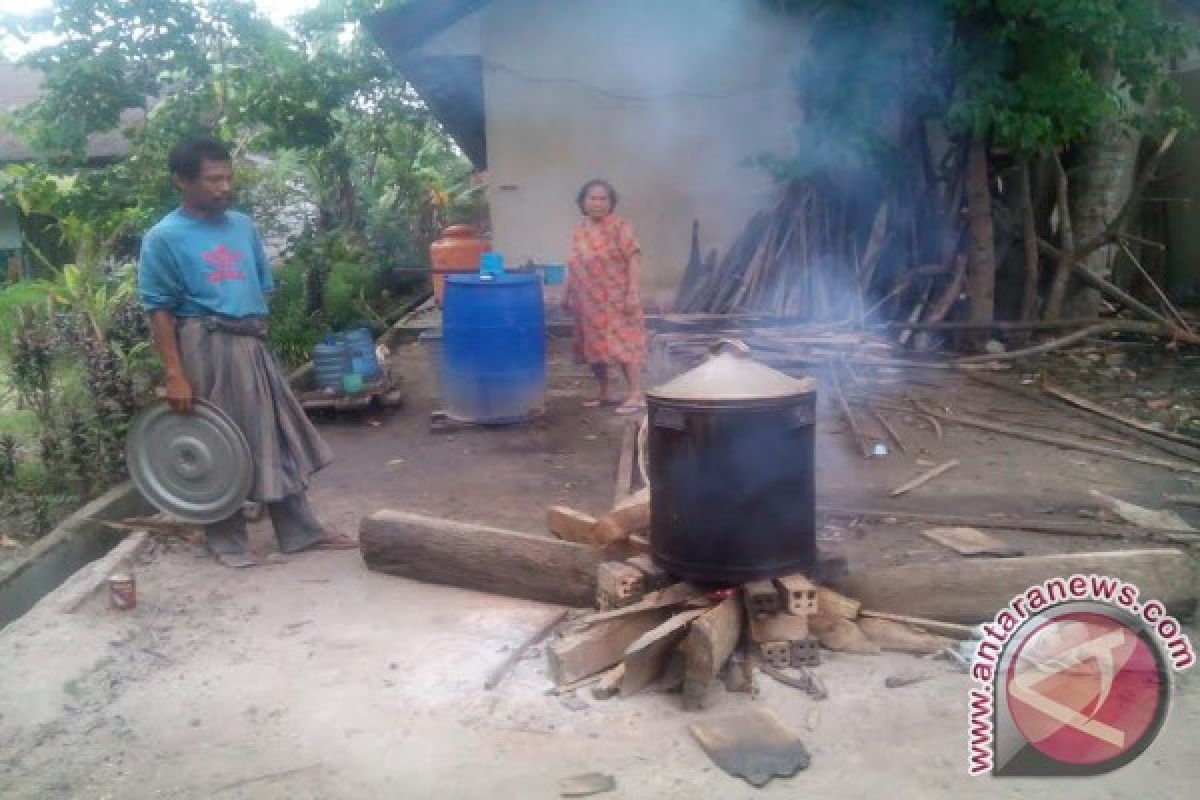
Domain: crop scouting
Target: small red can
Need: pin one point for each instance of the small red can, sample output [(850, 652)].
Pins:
[(122, 591)]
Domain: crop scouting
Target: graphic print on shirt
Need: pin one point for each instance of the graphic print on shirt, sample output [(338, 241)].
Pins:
[(223, 263)]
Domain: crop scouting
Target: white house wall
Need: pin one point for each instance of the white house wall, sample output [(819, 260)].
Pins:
[(667, 99)]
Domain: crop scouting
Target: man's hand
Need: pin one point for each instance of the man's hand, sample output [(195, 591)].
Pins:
[(179, 393)]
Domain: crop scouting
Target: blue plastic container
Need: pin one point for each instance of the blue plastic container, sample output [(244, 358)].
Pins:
[(553, 274), (493, 360), (491, 263), (362, 354), (331, 360)]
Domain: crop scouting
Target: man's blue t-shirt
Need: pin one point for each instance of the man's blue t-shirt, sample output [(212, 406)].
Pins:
[(194, 267)]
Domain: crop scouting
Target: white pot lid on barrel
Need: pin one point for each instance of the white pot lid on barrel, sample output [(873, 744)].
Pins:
[(732, 377)]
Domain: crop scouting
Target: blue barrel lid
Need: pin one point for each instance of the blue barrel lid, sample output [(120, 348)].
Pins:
[(507, 279)]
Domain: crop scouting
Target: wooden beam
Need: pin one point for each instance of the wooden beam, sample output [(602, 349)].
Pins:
[(709, 643), (480, 557), (973, 591)]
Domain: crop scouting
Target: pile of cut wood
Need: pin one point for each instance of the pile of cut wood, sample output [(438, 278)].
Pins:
[(800, 259), (680, 636)]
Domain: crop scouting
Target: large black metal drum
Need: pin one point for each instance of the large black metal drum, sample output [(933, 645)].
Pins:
[(730, 459)]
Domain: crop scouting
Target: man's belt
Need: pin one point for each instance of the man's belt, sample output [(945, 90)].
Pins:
[(251, 326)]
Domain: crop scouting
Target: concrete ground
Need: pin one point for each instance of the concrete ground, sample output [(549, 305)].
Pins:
[(314, 678)]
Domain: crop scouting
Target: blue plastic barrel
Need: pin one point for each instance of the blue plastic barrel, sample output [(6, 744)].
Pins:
[(331, 360), (362, 353), (493, 364)]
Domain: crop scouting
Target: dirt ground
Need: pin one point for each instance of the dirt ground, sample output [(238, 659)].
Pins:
[(314, 678)]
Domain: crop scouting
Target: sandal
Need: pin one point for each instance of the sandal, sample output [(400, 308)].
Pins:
[(236, 560), (596, 402), (330, 541)]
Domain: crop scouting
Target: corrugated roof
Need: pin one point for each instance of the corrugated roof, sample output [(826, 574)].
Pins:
[(20, 86)]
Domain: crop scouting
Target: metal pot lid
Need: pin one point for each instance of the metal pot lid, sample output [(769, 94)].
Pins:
[(732, 376), (197, 466)]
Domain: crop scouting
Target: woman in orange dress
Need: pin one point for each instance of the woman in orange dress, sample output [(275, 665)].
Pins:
[(603, 296)]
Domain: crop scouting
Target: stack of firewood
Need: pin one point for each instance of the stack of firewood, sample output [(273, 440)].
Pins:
[(650, 631), (801, 259)]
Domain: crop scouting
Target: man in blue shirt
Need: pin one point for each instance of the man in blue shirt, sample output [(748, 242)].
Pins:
[(204, 279)]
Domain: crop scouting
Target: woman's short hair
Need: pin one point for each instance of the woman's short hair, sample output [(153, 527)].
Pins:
[(587, 187)]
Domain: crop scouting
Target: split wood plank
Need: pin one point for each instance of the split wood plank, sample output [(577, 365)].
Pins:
[(624, 478), (674, 595), (580, 654), (1183, 499), (480, 557), (622, 522), (925, 477), (863, 445), (508, 663), (609, 684), (950, 629), (1099, 410), (709, 643), (646, 658), (972, 590), (571, 525), (1060, 441), (971, 542)]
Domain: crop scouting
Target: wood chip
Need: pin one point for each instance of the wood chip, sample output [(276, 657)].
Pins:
[(586, 785), (971, 542)]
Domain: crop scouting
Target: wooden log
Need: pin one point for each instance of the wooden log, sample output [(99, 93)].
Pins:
[(578, 655), (479, 557), (709, 643), (570, 525), (973, 591)]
